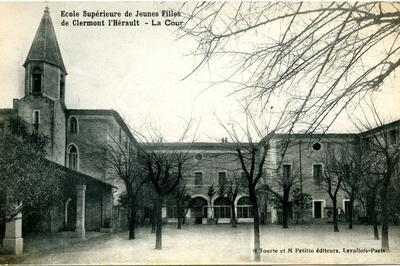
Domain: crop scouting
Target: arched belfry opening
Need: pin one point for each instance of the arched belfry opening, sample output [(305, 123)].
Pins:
[(36, 81)]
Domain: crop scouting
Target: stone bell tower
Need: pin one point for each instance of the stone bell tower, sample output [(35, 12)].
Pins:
[(43, 105), (44, 67)]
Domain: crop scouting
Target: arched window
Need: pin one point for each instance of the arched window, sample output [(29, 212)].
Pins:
[(36, 120), (73, 125), (244, 208), (37, 81), (222, 208), (73, 158)]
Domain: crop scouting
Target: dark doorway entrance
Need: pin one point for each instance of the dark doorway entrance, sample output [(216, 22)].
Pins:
[(347, 208), (70, 215), (199, 209), (318, 209)]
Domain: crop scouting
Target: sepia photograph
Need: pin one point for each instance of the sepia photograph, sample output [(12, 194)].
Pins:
[(199, 133)]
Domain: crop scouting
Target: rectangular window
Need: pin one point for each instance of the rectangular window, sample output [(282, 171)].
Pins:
[(286, 171), (221, 178), (317, 173), (36, 120), (198, 178), (393, 136)]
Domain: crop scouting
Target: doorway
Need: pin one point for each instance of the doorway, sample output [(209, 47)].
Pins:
[(317, 209)]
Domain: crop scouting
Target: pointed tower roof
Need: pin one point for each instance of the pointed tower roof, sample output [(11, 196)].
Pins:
[(45, 46)]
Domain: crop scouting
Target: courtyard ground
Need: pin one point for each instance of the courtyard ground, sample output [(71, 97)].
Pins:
[(216, 244)]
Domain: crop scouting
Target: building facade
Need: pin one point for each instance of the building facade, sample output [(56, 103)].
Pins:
[(79, 137)]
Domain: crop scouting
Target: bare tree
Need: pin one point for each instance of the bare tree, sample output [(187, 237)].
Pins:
[(121, 161), (210, 193), (371, 184), (330, 51), (332, 178), (183, 200), (251, 156), (164, 165), (231, 188), (301, 203), (356, 165), (280, 185), (381, 142), (164, 169)]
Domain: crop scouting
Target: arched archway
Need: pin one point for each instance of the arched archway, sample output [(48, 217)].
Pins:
[(199, 209), (222, 208), (69, 214), (244, 208)]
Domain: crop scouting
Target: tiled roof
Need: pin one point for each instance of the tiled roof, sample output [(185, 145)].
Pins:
[(78, 175), (45, 46)]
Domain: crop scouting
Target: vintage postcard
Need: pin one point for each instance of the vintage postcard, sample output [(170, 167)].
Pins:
[(199, 132)]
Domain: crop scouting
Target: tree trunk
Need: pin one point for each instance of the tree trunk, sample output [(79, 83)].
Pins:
[(179, 211), (385, 233), (284, 216), (385, 214), (158, 223), (351, 203), (184, 216), (372, 213), (385, 224), (265, 213), (256, 225), (335, 222), (233, 217), (375, 223), (285, 205), (376, 232), (154, 217), (132, 220)]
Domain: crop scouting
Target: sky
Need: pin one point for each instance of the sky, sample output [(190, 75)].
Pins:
[(136, 71)]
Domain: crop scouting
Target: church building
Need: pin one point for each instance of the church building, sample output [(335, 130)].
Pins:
[(75, 136)]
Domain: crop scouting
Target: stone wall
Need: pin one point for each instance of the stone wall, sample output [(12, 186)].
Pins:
[(51, 124), (301, 155), (90, 141)]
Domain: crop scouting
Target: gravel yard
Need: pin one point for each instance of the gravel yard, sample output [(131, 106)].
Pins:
[(206, 244)]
